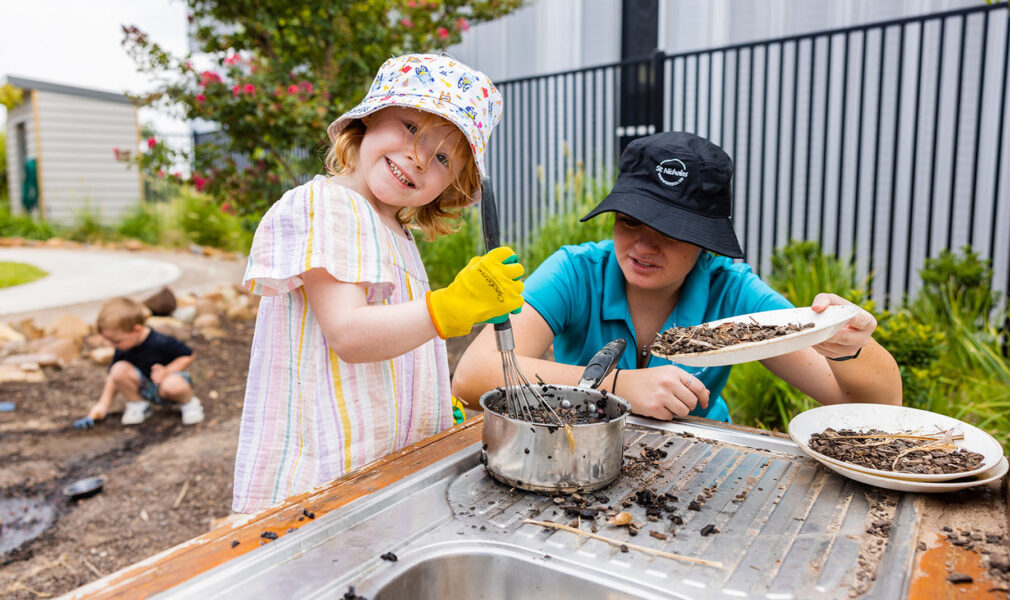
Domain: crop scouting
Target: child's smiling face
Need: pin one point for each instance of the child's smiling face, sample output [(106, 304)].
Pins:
[(400, 169)]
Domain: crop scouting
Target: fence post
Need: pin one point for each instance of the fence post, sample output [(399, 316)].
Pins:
[(658, 91)]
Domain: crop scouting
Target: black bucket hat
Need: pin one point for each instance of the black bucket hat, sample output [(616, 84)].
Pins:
[(678, 184)]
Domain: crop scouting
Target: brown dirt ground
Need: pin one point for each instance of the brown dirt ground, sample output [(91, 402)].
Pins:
[(139, 512)]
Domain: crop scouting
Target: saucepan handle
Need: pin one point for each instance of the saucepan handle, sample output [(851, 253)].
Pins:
[(602, 363)]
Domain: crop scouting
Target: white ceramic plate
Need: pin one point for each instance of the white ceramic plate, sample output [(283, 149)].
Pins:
[(924, 487), (862, 417), (825, 325)]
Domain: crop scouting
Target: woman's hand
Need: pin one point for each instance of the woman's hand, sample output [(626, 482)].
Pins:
[(662, 392), (849, 339)]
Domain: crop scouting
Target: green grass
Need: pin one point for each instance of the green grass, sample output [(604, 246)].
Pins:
[(12, 273)]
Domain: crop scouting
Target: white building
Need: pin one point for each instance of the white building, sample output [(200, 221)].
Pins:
[(72, 135)]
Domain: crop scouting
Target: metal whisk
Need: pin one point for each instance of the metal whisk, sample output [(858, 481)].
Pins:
[(521, 397)]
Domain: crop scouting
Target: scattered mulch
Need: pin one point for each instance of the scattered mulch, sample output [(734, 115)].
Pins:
[(702, 338), (885, 451)]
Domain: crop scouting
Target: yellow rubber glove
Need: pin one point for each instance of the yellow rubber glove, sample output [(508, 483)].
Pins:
[(485, 288)]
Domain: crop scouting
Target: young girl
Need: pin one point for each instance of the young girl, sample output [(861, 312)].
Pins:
[(348, 361)]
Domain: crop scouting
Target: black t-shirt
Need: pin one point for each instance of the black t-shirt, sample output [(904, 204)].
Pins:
[(157, 349)]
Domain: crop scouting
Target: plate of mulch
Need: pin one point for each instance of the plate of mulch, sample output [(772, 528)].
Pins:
[(895, 442), (750, 337), (924, 487)]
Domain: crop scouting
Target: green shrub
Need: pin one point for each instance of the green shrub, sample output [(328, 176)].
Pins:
[(801, 270), (24, 226), (88, 227), (916, 347), (142, 223), (12, 273), (207, 224), (758, 398)]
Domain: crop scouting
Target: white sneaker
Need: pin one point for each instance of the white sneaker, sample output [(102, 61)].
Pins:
[(192, 412), (136, 412)]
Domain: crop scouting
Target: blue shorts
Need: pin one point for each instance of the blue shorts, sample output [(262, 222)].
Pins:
[(149, 391)]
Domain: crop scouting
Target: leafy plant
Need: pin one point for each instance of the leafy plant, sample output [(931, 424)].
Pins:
[(143, 223), (206, 224), (23, 226), (801, 270), (281, 72), (87, 226)]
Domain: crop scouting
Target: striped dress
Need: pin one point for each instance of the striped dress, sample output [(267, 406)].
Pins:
[(308, 416)]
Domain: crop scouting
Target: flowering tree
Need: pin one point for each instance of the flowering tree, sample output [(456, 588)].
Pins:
[(276, 73)]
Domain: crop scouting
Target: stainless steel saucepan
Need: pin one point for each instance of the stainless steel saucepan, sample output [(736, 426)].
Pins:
[(540, 457)]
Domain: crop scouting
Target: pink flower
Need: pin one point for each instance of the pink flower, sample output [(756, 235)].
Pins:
[(407, 23), (443, 33), (161, 172), (208, 77), (292, 89), (151, 142), (199, 182), (115, 152), (227, 209), (235, 90), (232, 60), (200, 98), (177, 175), (412, 4), (307, 86), (249, 88), (462, 24)]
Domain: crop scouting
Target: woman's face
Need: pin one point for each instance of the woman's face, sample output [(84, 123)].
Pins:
[(649, 259)]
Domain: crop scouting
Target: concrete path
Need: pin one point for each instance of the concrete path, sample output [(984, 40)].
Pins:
[(80, 279)]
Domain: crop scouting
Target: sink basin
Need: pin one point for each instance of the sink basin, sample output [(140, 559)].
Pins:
[(476, 572)]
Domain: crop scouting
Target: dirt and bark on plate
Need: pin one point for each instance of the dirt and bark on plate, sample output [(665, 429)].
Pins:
[(702, 338), (903, 452)]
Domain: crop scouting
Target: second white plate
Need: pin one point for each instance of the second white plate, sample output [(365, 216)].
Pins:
[(923, 487), (825, 325)]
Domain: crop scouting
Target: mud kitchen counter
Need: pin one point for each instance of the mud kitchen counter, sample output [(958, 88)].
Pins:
[(779, 526)]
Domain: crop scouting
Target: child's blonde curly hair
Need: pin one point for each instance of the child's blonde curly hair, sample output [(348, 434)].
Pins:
[(438, 217)]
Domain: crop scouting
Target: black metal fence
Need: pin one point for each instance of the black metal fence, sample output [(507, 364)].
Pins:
[(885, 142)]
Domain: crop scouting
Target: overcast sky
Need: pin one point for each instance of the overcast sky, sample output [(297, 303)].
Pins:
[(78, 43)]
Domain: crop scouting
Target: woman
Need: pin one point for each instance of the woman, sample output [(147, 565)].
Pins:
[(669, 264)]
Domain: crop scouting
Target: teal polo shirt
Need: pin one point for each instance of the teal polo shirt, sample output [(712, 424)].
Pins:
[(579, 291)]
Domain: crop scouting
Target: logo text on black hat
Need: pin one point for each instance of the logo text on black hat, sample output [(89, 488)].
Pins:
[(671, 171)]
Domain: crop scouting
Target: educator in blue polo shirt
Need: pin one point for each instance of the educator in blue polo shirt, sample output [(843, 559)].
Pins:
[(669, 264)]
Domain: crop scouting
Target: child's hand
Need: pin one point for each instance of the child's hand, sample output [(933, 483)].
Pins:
[(98, 412), (485, 288), (158, 373)]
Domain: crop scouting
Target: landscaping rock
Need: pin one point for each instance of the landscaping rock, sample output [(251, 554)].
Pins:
[(206, 320), (162, 303), (31, 331), (70, 327), (66, 349), (9, 334), (16, 374), (102, 356), (169, 326), (206, 306), (95, 340), (185, 314), (37, 359)]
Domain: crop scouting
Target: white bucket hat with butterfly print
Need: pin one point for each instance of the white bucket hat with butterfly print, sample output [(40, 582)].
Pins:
[(437, 84)]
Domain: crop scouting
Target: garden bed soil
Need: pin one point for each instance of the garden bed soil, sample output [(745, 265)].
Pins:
[(166, 483)]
